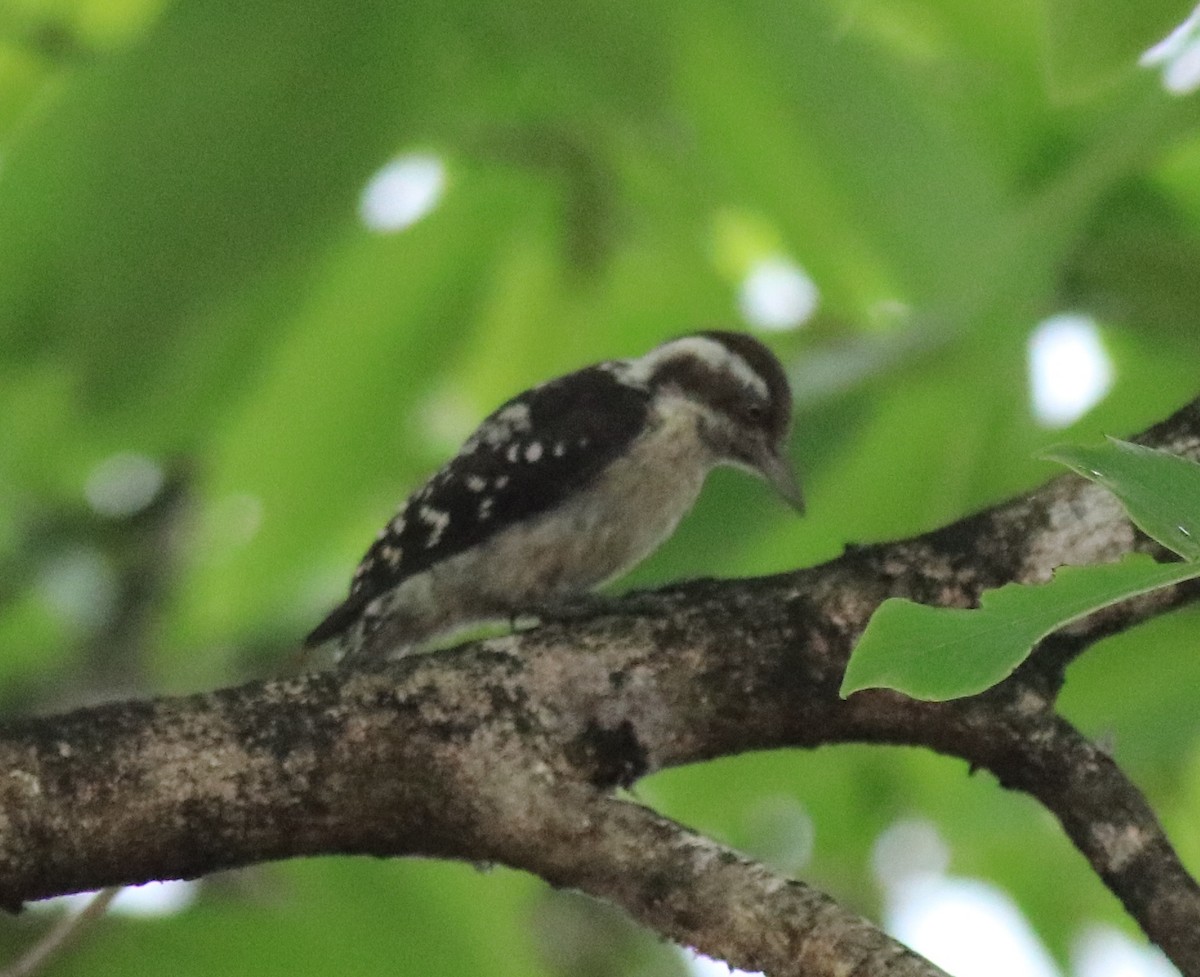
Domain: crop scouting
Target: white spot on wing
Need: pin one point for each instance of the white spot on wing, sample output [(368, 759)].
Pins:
[(506, 425), (485, 508), (475, 483), (533, 452), (626, 371), (516, 416), (438, 520)]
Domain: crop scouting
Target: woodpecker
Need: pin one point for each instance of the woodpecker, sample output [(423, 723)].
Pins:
[(565, 487)]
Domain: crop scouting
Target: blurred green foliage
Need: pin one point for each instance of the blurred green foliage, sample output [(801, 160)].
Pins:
[(184, 275)]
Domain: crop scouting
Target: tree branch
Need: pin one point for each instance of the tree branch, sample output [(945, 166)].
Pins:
[(502, 751), (701, 894), (468, 758)]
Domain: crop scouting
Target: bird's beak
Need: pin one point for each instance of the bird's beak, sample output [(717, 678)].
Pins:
[(776, 468)]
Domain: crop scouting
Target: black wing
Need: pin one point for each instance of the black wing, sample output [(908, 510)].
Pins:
[(526, 458)]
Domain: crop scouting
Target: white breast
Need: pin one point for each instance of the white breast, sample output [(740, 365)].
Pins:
[(637, 502)]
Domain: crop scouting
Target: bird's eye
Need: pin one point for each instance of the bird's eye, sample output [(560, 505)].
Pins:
[(756, 412)]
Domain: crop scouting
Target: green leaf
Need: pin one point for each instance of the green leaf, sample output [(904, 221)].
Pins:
[(940, 653), (1160, 490)]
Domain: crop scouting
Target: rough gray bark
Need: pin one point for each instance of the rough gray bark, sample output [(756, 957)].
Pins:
[(506, 750)]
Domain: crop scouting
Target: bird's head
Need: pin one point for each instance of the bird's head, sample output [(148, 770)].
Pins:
[(743, 401)]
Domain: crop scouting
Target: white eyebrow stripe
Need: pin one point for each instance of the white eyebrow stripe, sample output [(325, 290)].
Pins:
[(715, 354)]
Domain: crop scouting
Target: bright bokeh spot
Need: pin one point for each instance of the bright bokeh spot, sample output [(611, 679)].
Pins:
[(1069, 370), (1105, 952), (1182, 75), (907, 849), (777, 295), (699, 965), (966, 927), (1178, 54), (146, 901), (402, 192), (781, 833), (80, 587), (123, 484), (155, 899)]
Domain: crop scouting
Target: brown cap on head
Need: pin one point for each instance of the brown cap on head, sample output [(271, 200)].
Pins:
[(746, 388), (766, 364)]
